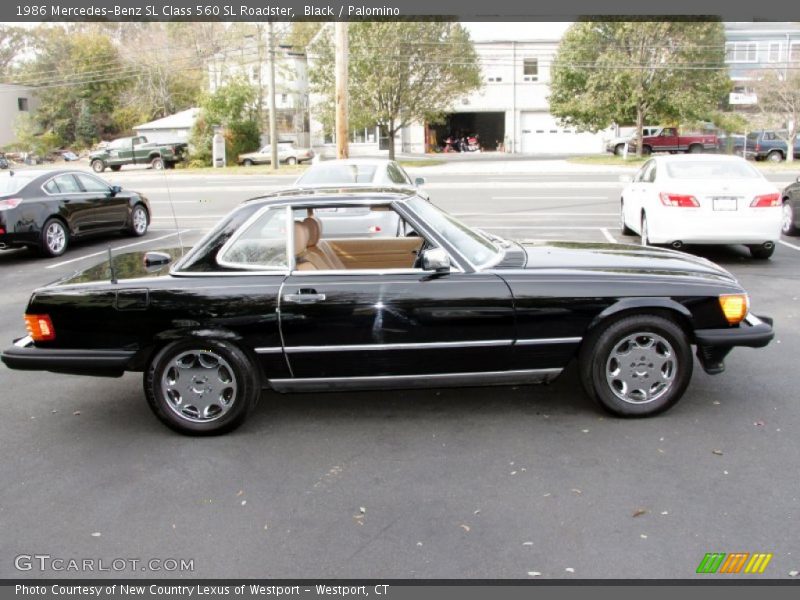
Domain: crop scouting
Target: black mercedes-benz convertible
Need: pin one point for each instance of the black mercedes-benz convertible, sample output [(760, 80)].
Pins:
[(269, 300)]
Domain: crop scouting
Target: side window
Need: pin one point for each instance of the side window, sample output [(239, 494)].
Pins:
[(651, 174), (67, 184), (641, 172), (395, 175), (92, 184), (51, 187), (261, 245)]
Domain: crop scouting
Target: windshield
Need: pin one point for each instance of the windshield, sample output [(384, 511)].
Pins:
[(471, 244), (11, 184), (338, 174), (711, 168)]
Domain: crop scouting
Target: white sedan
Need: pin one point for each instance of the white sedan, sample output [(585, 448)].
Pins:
[(709, 199), (368, 172)]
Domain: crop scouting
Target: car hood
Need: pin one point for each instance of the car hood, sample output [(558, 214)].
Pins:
[(126, 266), (619, 258)]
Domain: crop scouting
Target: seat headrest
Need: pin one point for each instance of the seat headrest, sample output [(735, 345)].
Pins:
[(314, 228), (300, 238)]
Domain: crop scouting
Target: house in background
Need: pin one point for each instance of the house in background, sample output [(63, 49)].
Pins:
[(174, 128), (752, 48), (15, 100)]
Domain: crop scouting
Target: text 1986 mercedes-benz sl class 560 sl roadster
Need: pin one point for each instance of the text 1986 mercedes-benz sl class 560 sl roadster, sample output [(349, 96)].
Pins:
[(266, 300)]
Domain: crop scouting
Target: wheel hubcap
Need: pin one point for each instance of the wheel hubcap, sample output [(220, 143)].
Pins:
[(641, 368), (56, 238), (139, 220), (199, 386), (788, 217)]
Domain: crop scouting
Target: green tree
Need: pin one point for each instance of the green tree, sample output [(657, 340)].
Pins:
[(638, 72), (778, 92), (13, 41), (231, 106), (399, 72), (30, 138)]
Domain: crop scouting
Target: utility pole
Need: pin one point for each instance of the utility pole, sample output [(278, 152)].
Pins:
[(273, 124), (340, 41)]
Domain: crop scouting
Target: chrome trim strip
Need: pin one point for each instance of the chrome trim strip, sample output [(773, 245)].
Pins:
[(269, 350), (24, 342), (752, 320), (542, 341), (410, 381), (398, 346)]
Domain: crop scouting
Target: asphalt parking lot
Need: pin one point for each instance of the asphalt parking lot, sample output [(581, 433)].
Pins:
[(502, 482)]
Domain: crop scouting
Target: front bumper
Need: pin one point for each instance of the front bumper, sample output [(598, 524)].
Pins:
[(713, 345), (24, 356)]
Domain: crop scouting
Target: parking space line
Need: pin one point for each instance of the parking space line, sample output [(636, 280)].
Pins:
[(537, 214), (787, 244), (570, 197), (184, 217), (587, 227), (72, 260), (608, 235)]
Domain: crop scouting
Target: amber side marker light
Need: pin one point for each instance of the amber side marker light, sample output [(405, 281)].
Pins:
[(40, 327), (734, 307)]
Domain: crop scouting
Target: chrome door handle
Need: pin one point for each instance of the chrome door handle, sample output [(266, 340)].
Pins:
[(308, 298)]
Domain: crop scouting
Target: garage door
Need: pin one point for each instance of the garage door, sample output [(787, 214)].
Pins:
[(542, 134)]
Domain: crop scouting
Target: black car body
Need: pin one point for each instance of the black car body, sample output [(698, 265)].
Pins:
[(45, 209), (440, 304), (790, 224)]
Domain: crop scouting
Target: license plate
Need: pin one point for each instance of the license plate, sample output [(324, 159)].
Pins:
[(724, 203)]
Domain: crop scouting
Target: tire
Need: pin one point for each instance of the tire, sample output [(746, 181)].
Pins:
[(619, 149), (157, 163), (762, 252), (230, 380), (788, 219), (695, 149), (291, 160), (647, 150), (140, 220), (54, 238), (115, 168), (775, 156), (645, 236), (98, 166), (623, 227), (247, 163), (636, 366)]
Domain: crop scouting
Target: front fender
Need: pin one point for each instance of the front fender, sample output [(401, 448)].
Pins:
[(627, 304)]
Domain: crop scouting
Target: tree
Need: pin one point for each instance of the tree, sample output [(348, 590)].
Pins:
[(13, 41), (399, 72), (231, 106), (778, 93), (638, 72), (29, 137)]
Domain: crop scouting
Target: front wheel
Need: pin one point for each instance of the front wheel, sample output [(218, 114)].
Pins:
[(139, 221), (645, 234), (619, 149), (247, 163), (623, 226), (98, 166), (788, 219), (636, 366), (291, 160), (55, 238), (202, 386)]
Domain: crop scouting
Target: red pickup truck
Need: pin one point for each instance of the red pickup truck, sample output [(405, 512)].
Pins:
[(669, 140)]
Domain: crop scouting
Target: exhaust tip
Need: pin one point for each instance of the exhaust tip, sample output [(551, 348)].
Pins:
[(677, 245), (768, 245)]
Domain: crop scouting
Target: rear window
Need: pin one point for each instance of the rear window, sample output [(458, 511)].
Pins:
[(712, 169), (11, 184), (338, 174)]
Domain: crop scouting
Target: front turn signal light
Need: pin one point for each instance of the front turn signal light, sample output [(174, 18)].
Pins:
[(40, 328), (734, 307)]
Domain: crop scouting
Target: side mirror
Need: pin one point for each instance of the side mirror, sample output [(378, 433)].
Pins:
[(798, 179), (419, 181), (436, 259), (626, 178), (115, 189), (156, 259)]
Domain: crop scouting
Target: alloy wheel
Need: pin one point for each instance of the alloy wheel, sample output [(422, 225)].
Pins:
[(199, 386), (641, 368)]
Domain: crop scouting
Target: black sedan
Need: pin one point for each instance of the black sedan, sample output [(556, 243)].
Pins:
[(790, 223), (44, 210), (266, 300)]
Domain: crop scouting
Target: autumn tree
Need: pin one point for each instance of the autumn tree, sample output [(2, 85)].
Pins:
[(778, 93), (399, 72), (638, 72)]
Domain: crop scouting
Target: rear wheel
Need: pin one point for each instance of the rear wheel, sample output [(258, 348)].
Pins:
[(98, 166), (55, 238), (636, 366), (619, 149), (202, 387), (775, 156), (695, 149), (788, 219), (647, 150), (248, 163), (291, 160), (115, 167), (762, 252), (157, 163), (139, 221)]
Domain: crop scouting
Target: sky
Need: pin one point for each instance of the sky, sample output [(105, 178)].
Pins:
[(515, 31)]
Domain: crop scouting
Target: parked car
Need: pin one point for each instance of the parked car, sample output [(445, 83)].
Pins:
[(69, 156), (447, 306), (137, 151), (355, 171), (617, 145), (287, 153), (790, 197), (3, 162), (680, 200), (733, 143), (45, 210), (669, 140), (769, 145)]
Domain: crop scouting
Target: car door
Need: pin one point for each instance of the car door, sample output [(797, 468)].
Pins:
[(70, 201), (395, 322), (668, 140), (633, 198), (108, 210), (647, 190)]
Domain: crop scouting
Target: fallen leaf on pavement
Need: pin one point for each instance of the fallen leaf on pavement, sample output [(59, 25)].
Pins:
[(465, 527), (639, 512), (717, 452)]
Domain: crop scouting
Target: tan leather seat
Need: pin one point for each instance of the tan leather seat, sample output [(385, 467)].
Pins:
[(300, 246), (319, 249)]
